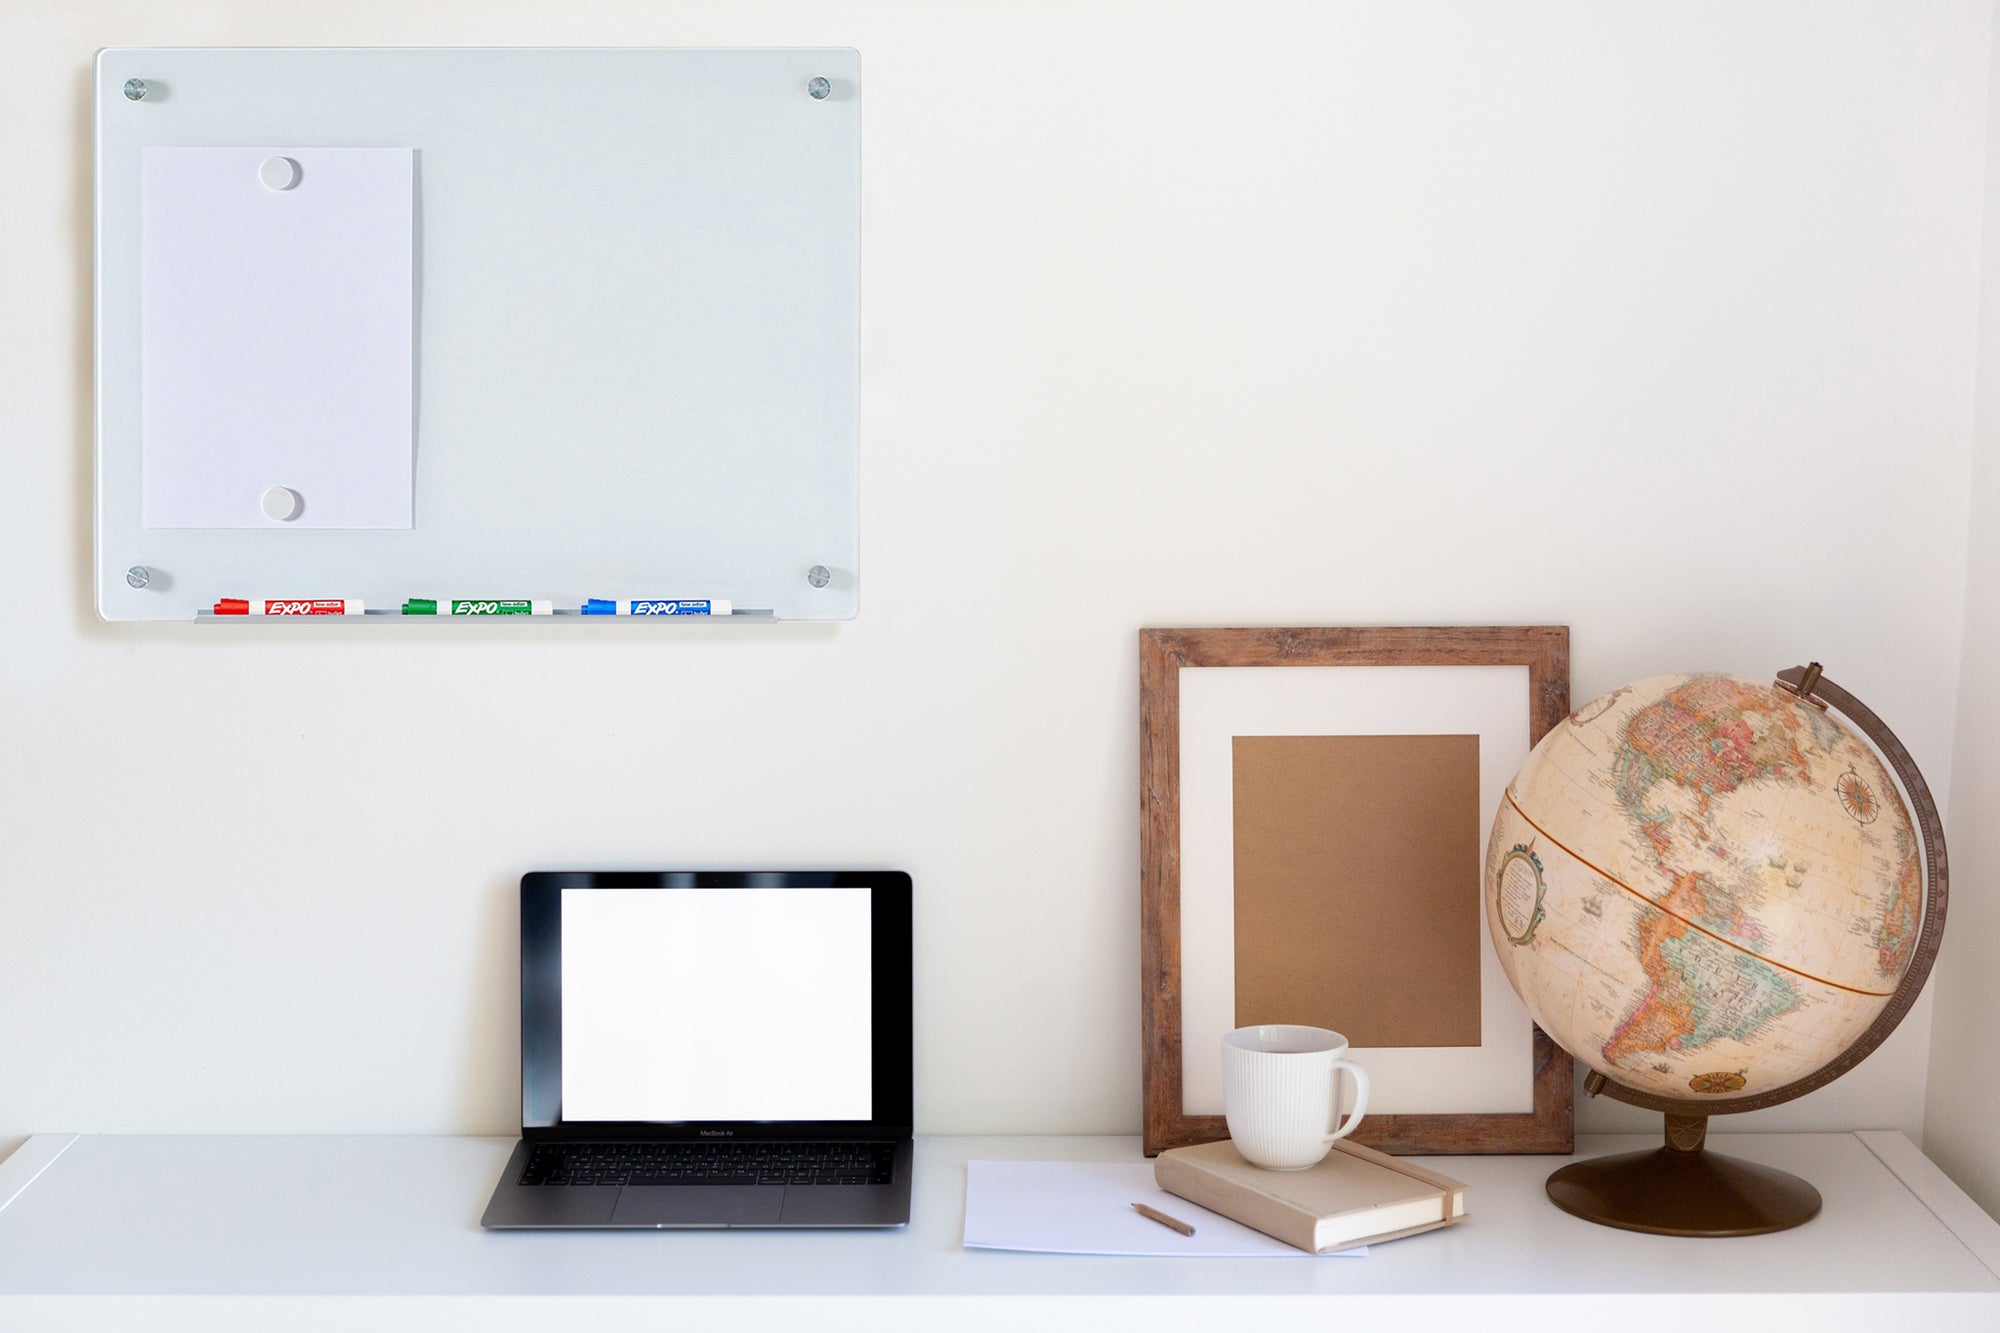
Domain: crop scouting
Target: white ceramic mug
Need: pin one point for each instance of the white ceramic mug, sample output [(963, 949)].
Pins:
[(1281, 1092)]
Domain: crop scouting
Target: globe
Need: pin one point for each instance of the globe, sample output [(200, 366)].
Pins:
[(1709, 890)]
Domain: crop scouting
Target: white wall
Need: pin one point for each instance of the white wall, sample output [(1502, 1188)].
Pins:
[(1655, 320), (1961, 1130)]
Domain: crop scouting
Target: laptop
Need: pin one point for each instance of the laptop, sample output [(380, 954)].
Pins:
[(712, 1049)]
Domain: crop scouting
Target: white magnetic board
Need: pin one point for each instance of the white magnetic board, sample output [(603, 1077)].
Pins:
[(634, 296)]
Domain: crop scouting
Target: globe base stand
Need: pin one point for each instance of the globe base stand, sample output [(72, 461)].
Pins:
[(1682, 1190)]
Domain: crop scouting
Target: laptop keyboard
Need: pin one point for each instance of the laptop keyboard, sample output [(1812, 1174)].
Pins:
[(709, 1164)]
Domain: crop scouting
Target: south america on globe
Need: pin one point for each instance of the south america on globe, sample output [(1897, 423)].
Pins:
[(1704, 887)]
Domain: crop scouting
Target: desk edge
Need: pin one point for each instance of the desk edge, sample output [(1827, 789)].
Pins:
[(1965, 1219), (32, 1158)]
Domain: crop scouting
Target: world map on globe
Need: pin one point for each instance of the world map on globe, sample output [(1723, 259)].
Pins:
[(1703, 887)]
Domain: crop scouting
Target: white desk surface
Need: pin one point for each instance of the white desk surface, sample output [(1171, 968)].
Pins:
[(100, 1231)]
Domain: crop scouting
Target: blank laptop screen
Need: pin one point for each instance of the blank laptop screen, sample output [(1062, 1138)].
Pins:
[(716, 1004)]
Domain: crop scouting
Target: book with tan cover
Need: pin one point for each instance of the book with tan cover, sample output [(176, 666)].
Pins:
[(1356, 1196)]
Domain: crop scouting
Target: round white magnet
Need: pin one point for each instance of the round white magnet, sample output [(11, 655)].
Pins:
[(282, 503), (279, 173)]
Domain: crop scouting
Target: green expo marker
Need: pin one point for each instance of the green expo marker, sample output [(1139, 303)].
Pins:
[(476, 606)]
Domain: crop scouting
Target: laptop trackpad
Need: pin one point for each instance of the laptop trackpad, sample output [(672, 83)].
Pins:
[(699, 1205)]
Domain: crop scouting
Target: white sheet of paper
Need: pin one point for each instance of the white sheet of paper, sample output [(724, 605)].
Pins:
[(1086, 1208), (276, 337)]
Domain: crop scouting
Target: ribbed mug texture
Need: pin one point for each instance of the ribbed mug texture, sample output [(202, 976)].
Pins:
[(1279, 1087)]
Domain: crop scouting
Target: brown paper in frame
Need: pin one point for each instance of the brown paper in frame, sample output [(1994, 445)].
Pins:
[(1357, 886)]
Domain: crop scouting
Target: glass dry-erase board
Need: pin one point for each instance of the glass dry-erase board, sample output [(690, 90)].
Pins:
[(562, 326)]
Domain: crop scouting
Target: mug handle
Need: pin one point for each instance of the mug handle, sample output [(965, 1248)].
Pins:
[(1360, 1099)]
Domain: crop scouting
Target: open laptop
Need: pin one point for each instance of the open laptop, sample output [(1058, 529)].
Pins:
[(712, 1049)]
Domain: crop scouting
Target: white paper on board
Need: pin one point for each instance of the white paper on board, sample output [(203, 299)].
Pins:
[(276, 336)]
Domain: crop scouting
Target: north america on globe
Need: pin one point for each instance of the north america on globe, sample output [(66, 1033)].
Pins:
[(1704, 887)]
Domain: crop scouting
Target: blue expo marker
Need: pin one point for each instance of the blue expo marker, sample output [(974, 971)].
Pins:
[(598, 606)]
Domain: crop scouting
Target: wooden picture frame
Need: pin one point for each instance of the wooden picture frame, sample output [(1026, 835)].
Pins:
[(1163, 654)]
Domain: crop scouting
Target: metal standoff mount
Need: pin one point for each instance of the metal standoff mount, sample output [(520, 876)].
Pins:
[(281, 504), (820, 88), (135, 90), (138, 576), (278, 173)]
